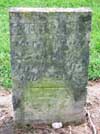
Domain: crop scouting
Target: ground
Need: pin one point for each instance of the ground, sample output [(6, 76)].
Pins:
[(93, 107)]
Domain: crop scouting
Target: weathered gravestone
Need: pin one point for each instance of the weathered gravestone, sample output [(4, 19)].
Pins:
[(49, 58)]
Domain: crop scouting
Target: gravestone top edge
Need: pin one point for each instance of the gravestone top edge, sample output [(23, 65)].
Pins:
[(46, 10)]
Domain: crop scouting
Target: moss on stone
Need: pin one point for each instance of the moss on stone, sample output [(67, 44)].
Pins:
[(46, 82), (46, 91)]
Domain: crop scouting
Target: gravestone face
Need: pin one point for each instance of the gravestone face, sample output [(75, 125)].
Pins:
[(49, 59)]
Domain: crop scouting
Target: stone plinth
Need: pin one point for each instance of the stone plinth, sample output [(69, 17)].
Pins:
[(49, 59)]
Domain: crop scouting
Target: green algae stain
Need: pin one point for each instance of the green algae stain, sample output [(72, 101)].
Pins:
[(47, 83), (38, 99), (46, 92)]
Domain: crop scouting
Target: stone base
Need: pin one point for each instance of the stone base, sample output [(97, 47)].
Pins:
[(73, 115), (48, 105)]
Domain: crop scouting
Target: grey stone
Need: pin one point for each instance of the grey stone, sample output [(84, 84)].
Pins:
[(49, 59)]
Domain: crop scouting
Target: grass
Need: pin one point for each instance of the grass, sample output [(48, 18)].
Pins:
[(5, 69)]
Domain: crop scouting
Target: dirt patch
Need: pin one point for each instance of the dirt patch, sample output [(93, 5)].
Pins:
[(93, 106)]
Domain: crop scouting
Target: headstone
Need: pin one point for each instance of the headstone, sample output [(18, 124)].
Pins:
[(49, 59)]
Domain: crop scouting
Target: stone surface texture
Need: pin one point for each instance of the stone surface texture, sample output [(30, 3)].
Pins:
[(49, 59)]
